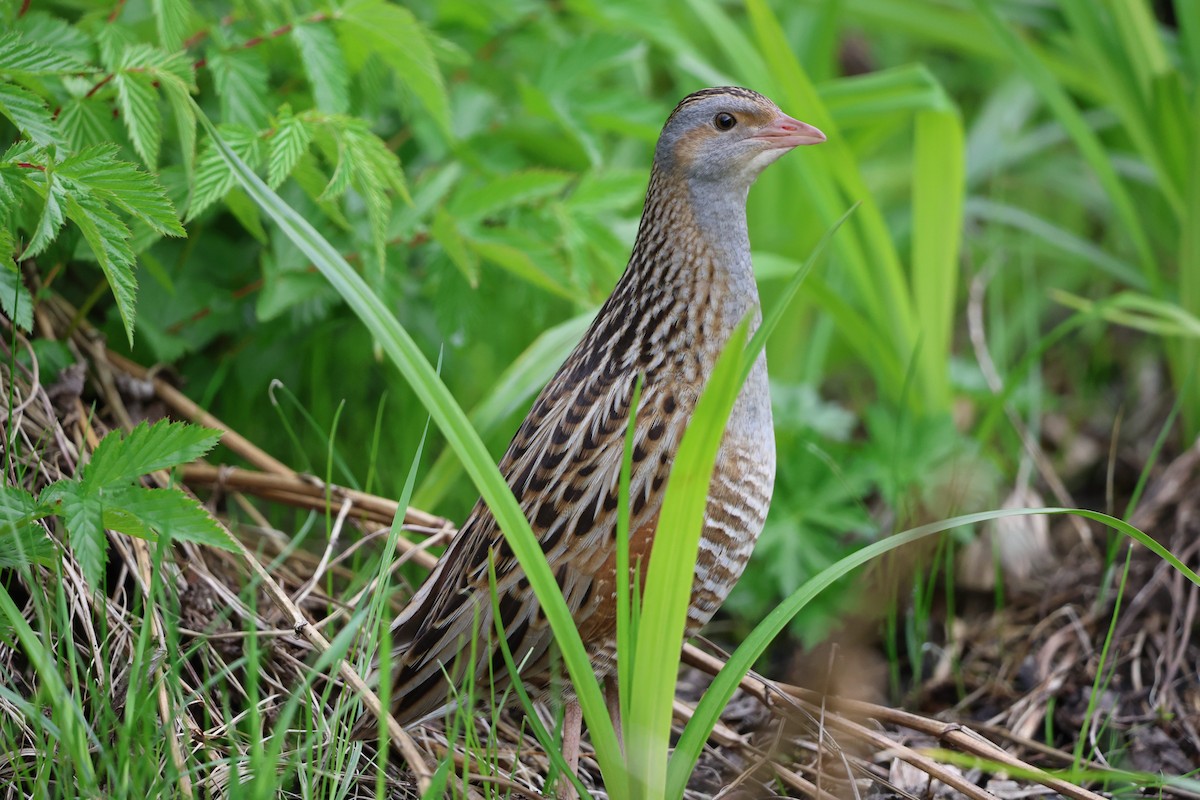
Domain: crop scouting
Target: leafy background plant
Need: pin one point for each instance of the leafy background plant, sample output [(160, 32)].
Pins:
[(482, 165)]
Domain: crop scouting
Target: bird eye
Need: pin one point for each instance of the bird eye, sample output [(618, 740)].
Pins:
[(724, 121)]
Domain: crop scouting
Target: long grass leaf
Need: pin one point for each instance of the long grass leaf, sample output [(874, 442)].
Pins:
[(672, 571), (67, 713), (938, 189)]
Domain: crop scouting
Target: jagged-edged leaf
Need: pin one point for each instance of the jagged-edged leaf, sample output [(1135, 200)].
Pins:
[(171, 19), (373, 170), (324, 66), (309, 177), (20, 55), (373, 157), (139, 111), (52, 217), (142, 512), (21, 150), (171, 68), (53, 33), (374, 26), (83, 516), (11, 182), (25, 543), (122, 183), (84, 122), (287, 144), (241, 78), (29, 114), (508, 190), (115, 43), (15, 299), (108, 238), (121, 458), (22, 539), (213, 177), (16, 504)]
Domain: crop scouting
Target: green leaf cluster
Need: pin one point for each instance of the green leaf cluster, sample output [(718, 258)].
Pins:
[(107, 495)]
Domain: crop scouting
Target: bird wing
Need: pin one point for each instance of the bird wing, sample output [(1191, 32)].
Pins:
[(563, 466)]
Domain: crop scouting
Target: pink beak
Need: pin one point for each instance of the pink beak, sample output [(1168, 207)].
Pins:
[(785, 132)]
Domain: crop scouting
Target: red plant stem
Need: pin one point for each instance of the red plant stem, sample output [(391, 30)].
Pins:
[(98, 86), (282, 30)]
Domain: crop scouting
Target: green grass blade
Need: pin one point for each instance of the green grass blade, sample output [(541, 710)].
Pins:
[(671, 573), (938, 190), (72, 728), (627, 622), (1188, 354), (540, 732), (453, 423)]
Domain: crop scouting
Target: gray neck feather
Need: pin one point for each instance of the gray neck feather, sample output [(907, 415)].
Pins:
[(720, 213)]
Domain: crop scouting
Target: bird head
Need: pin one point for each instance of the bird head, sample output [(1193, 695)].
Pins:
[(728, 135)]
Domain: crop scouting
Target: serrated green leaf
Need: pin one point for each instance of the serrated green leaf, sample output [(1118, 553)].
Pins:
[(116, 42), (373, 170), (119, 459), (12, 184), (83, 517), (142, 512), (17, 504), (85, 122), (241, 79), (213, 177), (139, 111), (373, 26), (507, 191), (29, 114), (52, 217), (108, 238), (26, 543), (23, 56), (287, 144), (324, 66), (331, 142), (171, 19), (96, 169), (22, 540), (312, 181), (53, 33)]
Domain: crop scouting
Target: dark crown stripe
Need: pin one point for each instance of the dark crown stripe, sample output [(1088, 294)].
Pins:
[(716, 91)]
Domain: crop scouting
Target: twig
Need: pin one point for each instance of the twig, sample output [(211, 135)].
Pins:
[(951, 734)]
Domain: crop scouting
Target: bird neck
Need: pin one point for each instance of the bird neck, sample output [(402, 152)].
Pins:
[(693, 241)]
